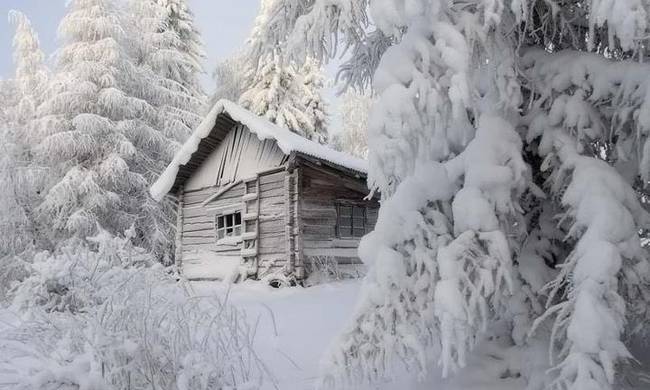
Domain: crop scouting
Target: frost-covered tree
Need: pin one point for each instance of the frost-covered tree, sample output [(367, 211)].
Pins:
[(98, 135), (15, 225), (159, 49), (31, 73), (505, 141), (285, 92), (353, 137), (179, 19), (22, 179), (230, 76)]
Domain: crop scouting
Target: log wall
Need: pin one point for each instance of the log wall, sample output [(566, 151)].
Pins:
[(321, 190)]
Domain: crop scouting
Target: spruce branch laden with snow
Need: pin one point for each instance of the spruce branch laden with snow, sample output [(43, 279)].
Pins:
[(286, 92), (491, 121)]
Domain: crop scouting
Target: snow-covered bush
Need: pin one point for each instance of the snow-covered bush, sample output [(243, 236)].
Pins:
[(325, 269), (78, 276), (100, 319)]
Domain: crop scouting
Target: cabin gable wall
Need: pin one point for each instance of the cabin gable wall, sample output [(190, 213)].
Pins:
[(241, 154)]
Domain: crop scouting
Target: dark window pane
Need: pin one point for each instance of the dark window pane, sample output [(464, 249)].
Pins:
[(345, 231), (345, 210), (238, 219), (229, 220), (220, 222)]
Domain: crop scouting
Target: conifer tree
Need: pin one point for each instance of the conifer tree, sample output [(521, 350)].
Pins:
[(284, 91), (159, 50), (98, 134), (31, 74), (22, 179), (353, 138), (230, 79), (505, 141), (178, 18)]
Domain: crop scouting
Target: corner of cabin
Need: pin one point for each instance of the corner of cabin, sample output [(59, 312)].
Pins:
[(333, 213)]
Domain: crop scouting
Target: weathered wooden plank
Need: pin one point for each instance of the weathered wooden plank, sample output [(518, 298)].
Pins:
[(324, 212), (271, 192), (332, 252), (200, 233), (325, 232), (275, 185), (314, 244), (191, 212), (273, 242), (198, 240), (193, 227), (232, 190), (196, 219), (272, 177), (319, 221), (221, 250), (201, 191), (271, 226), (198, 247), (273, 203)]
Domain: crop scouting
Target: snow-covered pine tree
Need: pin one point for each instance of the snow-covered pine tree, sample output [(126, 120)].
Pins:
[(98, 135), (159, 50), (170, 65), (22, 179), (178, 18), (285, 92), (31, 73), (6, 99), (505, 140), (15, 226), (230, 76), (355, 110)]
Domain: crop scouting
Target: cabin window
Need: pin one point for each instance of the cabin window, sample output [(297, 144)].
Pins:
[(228, 225), (351, 221)]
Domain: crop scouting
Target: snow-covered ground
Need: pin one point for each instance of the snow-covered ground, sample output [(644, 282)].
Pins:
[(296, 325)]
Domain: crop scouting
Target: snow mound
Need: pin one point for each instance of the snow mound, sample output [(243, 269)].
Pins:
[(287, 141)]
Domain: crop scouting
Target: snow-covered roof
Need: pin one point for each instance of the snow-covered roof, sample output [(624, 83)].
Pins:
[(288, 142)]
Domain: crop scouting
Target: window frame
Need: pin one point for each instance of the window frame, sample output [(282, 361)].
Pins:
[(349, 232), (226, 226)]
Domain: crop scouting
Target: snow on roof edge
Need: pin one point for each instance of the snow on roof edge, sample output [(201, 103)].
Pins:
[(287, 141)]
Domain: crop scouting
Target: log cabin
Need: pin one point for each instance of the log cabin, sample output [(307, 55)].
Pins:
[(255, 201)]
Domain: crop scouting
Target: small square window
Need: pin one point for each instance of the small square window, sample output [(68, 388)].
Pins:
[(350, 221), (228, 225)]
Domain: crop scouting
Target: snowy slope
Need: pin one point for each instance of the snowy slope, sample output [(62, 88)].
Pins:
[(295, 327), (287, 141)]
